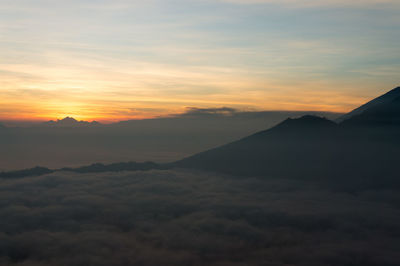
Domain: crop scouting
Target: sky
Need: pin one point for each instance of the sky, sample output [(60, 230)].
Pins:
[(111, 60)]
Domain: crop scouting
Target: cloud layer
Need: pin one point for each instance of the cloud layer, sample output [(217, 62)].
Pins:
[(192, 218)]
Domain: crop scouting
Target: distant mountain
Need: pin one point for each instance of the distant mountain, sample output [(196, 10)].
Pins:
[(69, 122), (383, 100)]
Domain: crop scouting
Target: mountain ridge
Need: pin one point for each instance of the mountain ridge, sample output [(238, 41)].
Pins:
[(315, 148), (383, 114), (308, 147), (385, 98)]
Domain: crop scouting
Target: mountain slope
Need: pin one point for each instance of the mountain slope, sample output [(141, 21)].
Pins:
[(384, 114), (359, 152), (381, 100)]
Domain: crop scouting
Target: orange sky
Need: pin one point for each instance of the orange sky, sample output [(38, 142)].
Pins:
[(129, 96)]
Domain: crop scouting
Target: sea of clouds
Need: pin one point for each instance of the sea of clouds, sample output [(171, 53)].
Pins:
[(181, 217)]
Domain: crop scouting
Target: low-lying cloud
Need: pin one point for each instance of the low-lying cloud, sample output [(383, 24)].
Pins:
[(192, 218)]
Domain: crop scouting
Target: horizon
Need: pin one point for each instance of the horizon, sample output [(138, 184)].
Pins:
[(24, 123), (187, 111)]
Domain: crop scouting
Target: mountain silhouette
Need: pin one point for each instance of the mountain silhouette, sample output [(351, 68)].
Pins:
[(69, 122), (383, 111), (305, 126), (292, 148), (381, 101), (359, 152)]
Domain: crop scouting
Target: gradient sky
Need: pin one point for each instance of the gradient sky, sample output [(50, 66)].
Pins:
[(113, 59)]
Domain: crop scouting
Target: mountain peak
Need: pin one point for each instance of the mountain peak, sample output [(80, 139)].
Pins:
[(307, 126), (307, 121)]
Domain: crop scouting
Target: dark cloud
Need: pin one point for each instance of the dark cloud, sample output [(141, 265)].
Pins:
[(194, 111), (192, 218)]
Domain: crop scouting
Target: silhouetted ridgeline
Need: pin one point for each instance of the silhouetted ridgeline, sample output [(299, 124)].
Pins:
[(382, 100), (68, 142), (362, 151), (385, 112)]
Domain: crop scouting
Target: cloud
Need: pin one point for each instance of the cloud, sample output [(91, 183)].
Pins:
[(192, 218), (319, 3), (195, 111)]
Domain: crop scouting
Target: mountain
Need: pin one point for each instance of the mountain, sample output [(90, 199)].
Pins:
[(315, 148), (361, 152), (69, 122), (385, 111), (381, 101), (295, 147)]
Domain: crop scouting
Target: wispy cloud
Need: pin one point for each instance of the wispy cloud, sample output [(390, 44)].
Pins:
[(319, 3)]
